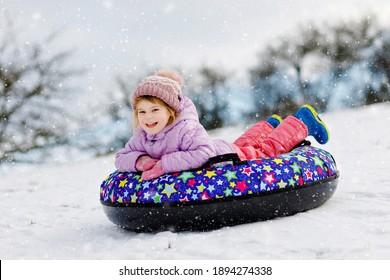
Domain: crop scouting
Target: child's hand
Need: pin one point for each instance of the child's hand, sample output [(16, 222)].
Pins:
[(145, 163), (155, 172)]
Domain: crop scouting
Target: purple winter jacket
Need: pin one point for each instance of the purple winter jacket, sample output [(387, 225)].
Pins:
[(183, 145)]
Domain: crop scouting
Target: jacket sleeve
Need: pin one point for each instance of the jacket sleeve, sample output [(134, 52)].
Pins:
[(126, 158), (196, 149)]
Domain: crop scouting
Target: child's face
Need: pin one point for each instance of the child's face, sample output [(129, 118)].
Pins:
[(152, 117)]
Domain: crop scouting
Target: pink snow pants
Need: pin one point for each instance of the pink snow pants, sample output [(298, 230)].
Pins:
[(262, 140)]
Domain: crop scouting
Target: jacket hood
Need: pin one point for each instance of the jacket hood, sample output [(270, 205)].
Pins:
[(187, 110)]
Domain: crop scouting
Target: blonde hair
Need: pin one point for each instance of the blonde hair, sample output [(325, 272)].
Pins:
[(172, 113)]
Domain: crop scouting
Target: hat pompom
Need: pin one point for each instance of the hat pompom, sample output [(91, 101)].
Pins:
[(170, 74)]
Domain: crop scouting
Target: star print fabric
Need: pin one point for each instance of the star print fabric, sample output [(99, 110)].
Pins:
[(301, 166)]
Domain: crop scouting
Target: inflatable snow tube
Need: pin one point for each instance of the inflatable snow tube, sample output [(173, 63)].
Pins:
[(227, 192)]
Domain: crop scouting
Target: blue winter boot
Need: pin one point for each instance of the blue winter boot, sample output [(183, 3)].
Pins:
[(274, 120), (317, 128)]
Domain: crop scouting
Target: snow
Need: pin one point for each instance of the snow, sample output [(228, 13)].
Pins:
[(53, 212)]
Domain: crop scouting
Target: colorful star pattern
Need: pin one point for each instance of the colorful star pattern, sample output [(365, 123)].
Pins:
[(303, 165)]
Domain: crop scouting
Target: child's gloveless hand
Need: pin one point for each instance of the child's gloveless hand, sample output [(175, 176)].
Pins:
[(155, 172), (145, 163)]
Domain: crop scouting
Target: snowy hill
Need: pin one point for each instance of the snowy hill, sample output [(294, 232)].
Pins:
[(53, 212)]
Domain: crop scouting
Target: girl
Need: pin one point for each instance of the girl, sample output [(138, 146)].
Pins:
[(169, 138)]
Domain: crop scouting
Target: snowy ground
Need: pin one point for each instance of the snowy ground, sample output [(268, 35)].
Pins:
[(53, 212)]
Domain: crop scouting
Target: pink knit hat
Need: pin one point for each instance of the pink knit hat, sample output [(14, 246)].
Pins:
[(165, 85)]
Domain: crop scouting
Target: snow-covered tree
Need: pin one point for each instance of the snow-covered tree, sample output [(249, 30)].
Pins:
[(210, 95), (290, 71), (380, 66), (33, 81)]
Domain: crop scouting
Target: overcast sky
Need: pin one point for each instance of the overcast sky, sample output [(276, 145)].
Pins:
[(115, 37)]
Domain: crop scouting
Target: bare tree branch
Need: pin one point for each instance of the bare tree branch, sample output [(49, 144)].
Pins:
[(29, 80)]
